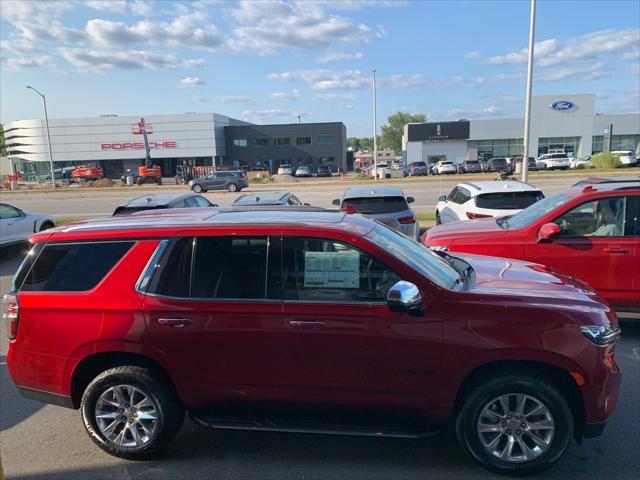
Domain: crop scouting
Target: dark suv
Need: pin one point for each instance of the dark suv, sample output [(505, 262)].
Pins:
[(232, 181), (306, 320), (162, 201)]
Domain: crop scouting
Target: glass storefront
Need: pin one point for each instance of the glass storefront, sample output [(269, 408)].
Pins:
[(568, 145), (508, 147), (618, 142)]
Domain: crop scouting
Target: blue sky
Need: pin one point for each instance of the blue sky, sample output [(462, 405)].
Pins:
[(269, 61)]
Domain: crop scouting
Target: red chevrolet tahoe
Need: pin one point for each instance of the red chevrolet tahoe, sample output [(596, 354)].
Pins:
[(306, 321)]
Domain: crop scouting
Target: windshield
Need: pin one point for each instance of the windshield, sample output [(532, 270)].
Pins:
[(418, 164), (373, 205), (417, 256), (534, 212)]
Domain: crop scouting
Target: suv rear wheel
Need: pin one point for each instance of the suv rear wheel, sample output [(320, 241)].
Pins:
[(197, 188), (232, 187), (129, 414), (515, 424)]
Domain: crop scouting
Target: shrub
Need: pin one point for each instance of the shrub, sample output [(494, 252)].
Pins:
[(362, 176), (606, 160), (261, 180)]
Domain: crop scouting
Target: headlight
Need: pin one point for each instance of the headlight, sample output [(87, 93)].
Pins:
[(439, 248), (190, 182), (601, 334)]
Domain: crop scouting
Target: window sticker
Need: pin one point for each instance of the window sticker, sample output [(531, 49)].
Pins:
[(332, 269)]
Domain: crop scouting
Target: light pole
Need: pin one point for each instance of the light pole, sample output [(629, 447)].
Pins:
[(375, 129), (527, 108), (46, 121)]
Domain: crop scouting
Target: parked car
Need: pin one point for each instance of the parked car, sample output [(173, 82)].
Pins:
[(498, 164), (471, 200), (599, 180), (330, 316), (590, 232), (267, 199), (388, 205), (161, 201), (285, 169), (444, 167), (532, 164), (554, 161), (418, 169), (324, 171), (303, 171), (383, 170), (232, 181), (16, 225), (627, 157), (579, 163), (469, 166)]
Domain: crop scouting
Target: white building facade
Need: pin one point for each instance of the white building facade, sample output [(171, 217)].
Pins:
[(558, 122), (108, 141)]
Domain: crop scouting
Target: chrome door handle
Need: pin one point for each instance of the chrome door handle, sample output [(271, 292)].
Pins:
[(615, 250), (175, 322), (307, 323)]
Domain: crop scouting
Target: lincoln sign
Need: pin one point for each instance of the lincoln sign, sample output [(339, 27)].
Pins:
[(138, 145)]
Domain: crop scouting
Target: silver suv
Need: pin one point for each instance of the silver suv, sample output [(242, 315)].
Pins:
[(387, 204)]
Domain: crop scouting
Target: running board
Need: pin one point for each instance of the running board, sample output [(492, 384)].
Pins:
[(269, 425)]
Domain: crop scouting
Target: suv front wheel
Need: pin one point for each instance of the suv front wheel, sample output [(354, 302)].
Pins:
[(129, 414), (515, 424)]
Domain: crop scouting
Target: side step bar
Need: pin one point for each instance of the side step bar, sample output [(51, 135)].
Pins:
[(267, 425)]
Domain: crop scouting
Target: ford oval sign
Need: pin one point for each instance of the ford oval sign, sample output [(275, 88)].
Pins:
[(562, 105)]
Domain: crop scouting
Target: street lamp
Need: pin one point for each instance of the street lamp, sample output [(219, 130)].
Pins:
[(46, 121), (527, 108), (375, 129)]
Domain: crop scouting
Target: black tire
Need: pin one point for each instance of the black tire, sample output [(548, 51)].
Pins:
[(197, 188), (438, 221), (232, 187), (170, 413), (159, 180), (45, 226), (544, 392)]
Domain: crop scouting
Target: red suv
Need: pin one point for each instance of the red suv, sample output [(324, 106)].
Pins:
[(590, 232), (302, 320)]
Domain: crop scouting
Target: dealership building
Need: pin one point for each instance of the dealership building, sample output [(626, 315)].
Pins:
[(177, 139), (566, 123)]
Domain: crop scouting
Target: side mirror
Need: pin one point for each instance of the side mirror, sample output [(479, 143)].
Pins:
[(442, 198), (336, 201), (548, 231), (410, 199), (405, 297)]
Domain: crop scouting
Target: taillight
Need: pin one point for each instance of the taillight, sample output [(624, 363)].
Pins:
[(407, 220), (10, 315), (472, 215)]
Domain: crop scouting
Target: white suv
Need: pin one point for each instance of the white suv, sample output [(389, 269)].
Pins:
[(627, 157), (471, 200), (554, 161), (445, 166)]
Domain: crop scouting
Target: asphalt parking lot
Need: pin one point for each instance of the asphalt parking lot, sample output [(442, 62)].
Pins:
[(44, 442)]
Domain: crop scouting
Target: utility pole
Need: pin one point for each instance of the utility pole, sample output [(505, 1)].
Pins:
[(298, 119), (46, 121), (375, 129), (527, 108)]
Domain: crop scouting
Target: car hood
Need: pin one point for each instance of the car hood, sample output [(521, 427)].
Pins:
[(525, 280), (463, 229)]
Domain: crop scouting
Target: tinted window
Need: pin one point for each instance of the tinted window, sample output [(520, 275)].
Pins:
[(536, 211), (327, 270), (7, 211), (377, 204), (261, 142), (508, 200), (201, 201), (459, 195), (174, 270), (326, 139), (632, 219), (240, 142), (419, 164), (303, 141), (599, 218), (73, 266)]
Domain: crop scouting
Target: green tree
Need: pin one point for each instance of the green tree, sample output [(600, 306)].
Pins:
[(392, 133), (3, 146)]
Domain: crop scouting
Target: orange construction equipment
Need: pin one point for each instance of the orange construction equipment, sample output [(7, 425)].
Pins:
[(87, 173)]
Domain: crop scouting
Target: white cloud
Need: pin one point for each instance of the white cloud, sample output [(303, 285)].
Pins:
[(321, 79), (119, 6), (32, 61), (334, 96), (233, 98), (184, 30), (191, 82), (360, 4), (292, 95), (141, 8), (553, 52), (473, 55), (262, 115), (633, 55), (266, 27), (404, 82), (583, 72), (99, 61), (340, 57)]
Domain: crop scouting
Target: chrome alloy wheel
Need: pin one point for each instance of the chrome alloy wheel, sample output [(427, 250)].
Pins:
[(515, 427), (127, 416)]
